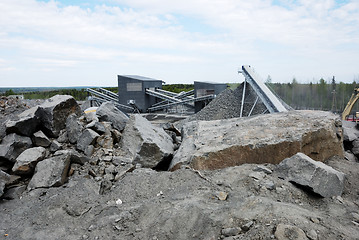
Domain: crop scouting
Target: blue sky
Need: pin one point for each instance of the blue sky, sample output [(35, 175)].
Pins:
[(81, 43)]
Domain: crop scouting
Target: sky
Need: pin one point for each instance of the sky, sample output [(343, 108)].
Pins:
[(62, 43)]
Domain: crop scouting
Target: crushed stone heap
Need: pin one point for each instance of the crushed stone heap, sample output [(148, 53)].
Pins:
[(228, 105)]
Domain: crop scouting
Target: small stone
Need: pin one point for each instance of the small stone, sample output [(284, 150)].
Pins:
[(312, 235), (355, 216), (270, 185), (91, 227), (247, 226), (285, 232), (227, 232), (41, 140), (257, 175), (118, 201), (222, 196), (55, 145), (314, 220)]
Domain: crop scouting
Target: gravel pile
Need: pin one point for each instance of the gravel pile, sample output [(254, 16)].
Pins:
[(228, 105)]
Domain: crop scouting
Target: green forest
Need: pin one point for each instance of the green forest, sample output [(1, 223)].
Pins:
[(321, 95)]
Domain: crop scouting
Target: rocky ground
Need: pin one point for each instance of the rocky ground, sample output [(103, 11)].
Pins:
[(101, 175)]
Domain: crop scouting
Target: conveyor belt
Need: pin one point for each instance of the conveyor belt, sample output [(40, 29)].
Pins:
[(264, 93)]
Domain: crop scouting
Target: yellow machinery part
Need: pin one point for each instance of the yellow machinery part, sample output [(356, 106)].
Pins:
[(350, 104)]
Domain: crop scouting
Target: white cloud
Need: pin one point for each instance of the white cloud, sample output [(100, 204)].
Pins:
[(152, 34)]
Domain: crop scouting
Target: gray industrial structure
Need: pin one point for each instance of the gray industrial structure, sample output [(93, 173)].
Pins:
[(132, 91), (142, 94), (204, 89)]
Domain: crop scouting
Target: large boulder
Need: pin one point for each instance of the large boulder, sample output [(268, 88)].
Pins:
[(317, 176), (12, 145), (88, 137), (108, 112), (54, 112), (27, 160), (26, 125), (73, 128), (51, 172), (267, 138), (4, 177), (144, 143)]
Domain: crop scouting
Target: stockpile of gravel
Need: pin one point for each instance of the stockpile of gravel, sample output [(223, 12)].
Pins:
[(228, 105)]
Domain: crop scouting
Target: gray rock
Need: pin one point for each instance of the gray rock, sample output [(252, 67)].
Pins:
[(14, 192), (75, 156), (51, 172), (247, 226), (312, 235), (97, 126), (54, 112), (350, 131), (350, 156), (41, 140), (87, 138), (108, 112), (73, 128), (4, 177), (319, 177), (355, 148), (12, 145), (89, 150), (285, 232), (227, 232), (27, 160), (26, 125), (63, 136), (105, 141), (55, 146), (267, 138), (146, 144)]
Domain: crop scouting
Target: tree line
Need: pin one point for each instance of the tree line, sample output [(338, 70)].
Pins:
[(323, 95)]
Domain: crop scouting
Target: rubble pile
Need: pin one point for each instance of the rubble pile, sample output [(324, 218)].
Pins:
[(66, 174)]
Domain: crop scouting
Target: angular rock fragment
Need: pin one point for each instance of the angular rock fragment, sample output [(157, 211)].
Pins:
[(51, 172), (55, 145), (54, 112), (40, 139), (267, 138), (75, 156), (26, 125), (350, 131), (73, 128), (87, 138), (146, 144), (63, 137), (317, 176), (4, 177), (12, 145), (97, 126), (355, 149), (108, 112), (27, 160)]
